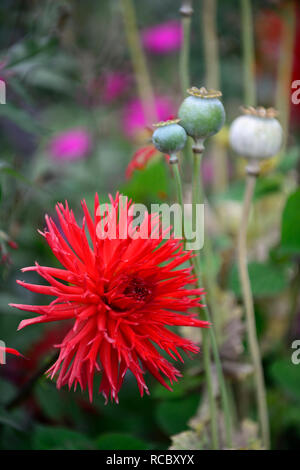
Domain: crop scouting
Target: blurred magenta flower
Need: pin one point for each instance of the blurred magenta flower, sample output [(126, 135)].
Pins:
[(114, 85), (163, 38), (207, 170), (70, 145), (134, 119)]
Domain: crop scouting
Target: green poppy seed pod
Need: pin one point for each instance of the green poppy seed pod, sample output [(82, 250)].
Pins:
[(202, 114), (257, 134), (169, 137)]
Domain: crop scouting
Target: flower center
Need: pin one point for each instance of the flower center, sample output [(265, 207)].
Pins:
[(138, 290), (129, 293)]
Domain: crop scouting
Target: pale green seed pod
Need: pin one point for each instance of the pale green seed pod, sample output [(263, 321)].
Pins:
[(202, 114), (169, 137), (257, 134)]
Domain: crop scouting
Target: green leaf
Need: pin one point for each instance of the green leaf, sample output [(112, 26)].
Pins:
[(51, 80), (21, 118), (180, 388), (289, 160), (287, 376), (56, 438), (8, 170), (264, 187), (27, 49), (50, 400), (173, 415), (8, 420), (269, 185), (149, 184), (266, 279), (119, 441), (290, 228)]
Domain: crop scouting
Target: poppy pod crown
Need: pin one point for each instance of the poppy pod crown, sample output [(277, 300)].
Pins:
[(202, 114), (169, 137), (256, 134)]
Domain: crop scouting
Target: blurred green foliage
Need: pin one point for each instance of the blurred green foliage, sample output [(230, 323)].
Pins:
[(52, 54)]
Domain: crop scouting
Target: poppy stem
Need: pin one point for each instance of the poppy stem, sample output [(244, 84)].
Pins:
[(249, 310), (285, 68), (198, 198), (186, 12), (139, 61), (205, 334), (248, 53), (212, 78)]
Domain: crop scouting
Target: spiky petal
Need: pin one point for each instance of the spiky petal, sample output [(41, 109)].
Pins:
[(120, 292)]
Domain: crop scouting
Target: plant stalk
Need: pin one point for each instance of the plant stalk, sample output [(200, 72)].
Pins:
[(197, 196), (139, 63), (186, 12), (249, 309), (248, 53), (285, 69), (212, 78), (205, 334)]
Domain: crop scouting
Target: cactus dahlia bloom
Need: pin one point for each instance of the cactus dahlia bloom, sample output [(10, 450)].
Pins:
[(120, 291)]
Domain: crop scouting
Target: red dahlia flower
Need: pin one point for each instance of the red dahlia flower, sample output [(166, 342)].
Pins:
[(4, 350), (121, 293), (140, 159)]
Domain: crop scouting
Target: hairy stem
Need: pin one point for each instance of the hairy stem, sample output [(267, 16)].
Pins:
[(249, 309)]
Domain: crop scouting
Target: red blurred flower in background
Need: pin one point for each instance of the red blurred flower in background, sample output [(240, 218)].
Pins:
[(269, 29), (140, 159), (4, 350), (121, 293)]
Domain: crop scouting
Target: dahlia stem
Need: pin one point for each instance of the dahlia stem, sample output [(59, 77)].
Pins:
[(285, 68), (197, 195), (248, 53), (27, 388), (186, 12), (139, 63), (205, 334), (249, 308)]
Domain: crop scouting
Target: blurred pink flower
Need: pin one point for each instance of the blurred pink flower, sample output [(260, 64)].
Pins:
[(70, 145), (163, 38), (114, 85), (207, 170), (134, 119)]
